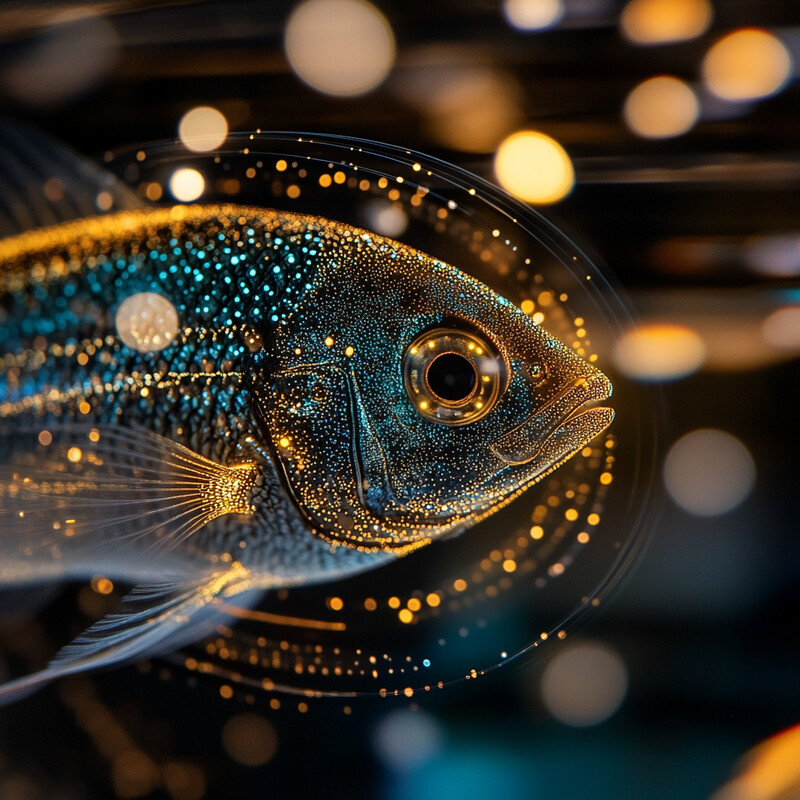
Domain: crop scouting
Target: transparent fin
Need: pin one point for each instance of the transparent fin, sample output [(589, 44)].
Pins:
[(70, 490), (153, 619), (42, 182)]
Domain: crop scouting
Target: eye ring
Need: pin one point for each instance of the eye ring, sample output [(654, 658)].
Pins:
[(452, 376)]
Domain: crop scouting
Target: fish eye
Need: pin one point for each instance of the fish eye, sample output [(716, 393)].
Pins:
[(453, 376)]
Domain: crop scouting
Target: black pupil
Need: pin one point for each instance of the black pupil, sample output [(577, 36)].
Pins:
[(451, 377)]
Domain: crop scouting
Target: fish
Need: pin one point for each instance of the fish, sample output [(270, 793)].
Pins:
[(213, 401)]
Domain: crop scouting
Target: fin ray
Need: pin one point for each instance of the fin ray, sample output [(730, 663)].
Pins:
[(90, 488)]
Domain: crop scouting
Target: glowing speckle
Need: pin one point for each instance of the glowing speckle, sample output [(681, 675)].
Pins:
[(147, 322), (74, 454)]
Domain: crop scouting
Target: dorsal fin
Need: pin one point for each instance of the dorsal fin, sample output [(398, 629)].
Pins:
[(43, 182)]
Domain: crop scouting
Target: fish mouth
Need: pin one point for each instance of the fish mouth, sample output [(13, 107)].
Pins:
[(568, 422)]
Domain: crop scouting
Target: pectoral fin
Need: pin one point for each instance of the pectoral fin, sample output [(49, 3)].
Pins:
[(78, 493), (152, 620)]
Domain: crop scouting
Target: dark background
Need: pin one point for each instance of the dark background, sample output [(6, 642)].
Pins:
[(708, 623)]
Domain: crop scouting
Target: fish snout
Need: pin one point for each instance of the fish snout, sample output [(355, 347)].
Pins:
[(566, 423)]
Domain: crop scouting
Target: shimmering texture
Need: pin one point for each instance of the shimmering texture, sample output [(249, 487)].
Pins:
[(284, 381)]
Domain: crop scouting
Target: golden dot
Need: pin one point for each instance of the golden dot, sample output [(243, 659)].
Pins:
[(606, 478), (336, 603), (144, 392), (329, 341), (571, 514), (460, 585), (423, 405), (339, 177), (405, 616), (284, 441), (537, 532), (433, 600), (74, 454), (83, 359), (593, 519), (94, 435), (281, 165), (408, 691), (293, 191), (527, 306), (225, 692), (325, 180), (661, 107), (509, 565), (102, 585), (45, 438), (84, 407), (394, 602), (153, 191), (746, 65), (414, 604), (348, 351), (661, 21), (534, 167), (302, 707), (370, 604), (583, 537)]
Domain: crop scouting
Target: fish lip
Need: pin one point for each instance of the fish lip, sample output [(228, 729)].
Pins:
[(582, 397)]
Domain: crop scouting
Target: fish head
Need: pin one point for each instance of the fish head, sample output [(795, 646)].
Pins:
[(410, 400)]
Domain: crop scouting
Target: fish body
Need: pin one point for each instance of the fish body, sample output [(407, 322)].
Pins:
[(212, 401)]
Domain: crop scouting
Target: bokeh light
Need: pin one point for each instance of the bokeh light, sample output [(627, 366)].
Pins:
[(469, 108), (532, 15), (186, 184), (775, 255), (147, 322), (661, 107), (405, 739), (663, 21), (64, 61), (339, 47), (385, 218), (584, 684), (747, 64), (534, 167), (709, 472), (781, 328), (202, 129), (659, 352), (770, 771), (250, 739)]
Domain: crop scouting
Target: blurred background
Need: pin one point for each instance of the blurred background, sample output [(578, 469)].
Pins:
[(666, 134)]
